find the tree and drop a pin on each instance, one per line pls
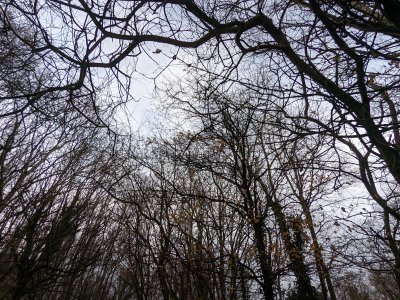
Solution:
(241, 140)
(51, 205)
(340, 53)
(334, 64)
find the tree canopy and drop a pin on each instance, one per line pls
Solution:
(291, 106)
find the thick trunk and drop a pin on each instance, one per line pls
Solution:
(393, 247)
(298, 266)
(265, 261)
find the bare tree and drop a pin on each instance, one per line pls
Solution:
(333, 64)
(342, 75)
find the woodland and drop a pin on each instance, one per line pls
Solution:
(270, 169)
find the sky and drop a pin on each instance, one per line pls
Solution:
(153, 71)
